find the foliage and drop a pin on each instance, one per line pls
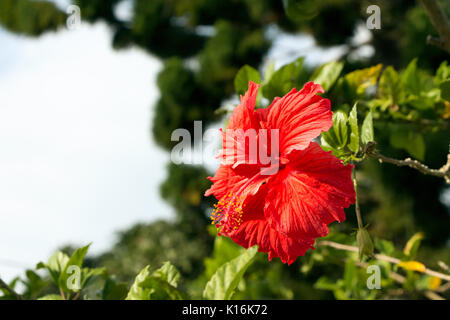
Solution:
(397, 98)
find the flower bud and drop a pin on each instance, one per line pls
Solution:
(365, 243)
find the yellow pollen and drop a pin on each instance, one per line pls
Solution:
(227, 213)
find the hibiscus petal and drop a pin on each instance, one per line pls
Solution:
(274, 243)
(243, 116)
(301, 116)
(228, 180)
(310, 193)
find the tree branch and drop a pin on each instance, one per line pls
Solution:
(10, 290)
(440, 23)
(378, 256)
(443, 172)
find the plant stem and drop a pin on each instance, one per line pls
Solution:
(61, 292)
(357, 210)
(10, 290)
(378, 256)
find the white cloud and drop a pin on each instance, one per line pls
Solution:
(77, 161)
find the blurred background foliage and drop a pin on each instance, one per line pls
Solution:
(203, 44)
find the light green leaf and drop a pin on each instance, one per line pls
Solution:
(270, 69)
(354, 131)
(224, 250)
(168, 273)
(327, 74)
(138, 291)
(223, 283)
(51, 297)
(442, 73)
(337, 136)
(244, 75)
(390, 87)
(75, 260)
(325, 283)
(367, 134)
(161, 285)
(350, 276)
(410, 79)
(359, 80)
(413, 244)
(55, 265)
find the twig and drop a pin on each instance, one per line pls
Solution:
(10, 290)
(440, 23)
(432, 295)
(378, 256)
(443, 172)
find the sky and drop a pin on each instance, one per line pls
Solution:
(77, 160)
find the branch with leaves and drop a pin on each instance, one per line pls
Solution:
(10, 290)
(439, 20)
(382, 257)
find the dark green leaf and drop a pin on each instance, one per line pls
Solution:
(283, 80)
(445, 90)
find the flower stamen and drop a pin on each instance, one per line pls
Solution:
(227, 214)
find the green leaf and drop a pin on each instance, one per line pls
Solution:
(51, 297)
(384, 246)
(442, 73)
(350, 276)
(445, 90)
(161, 285)
(301, 10)
(410, 79)
(137, 290)
(270, 70)
(402, 137)
(325, 283)
(337, 136)
(359, 80)
(283, 80)
(354, 131)
(168, 273)
(390, 87)
(114, 290)
(244, 75)
(223, 283)
(327, 74)
(367, 134)
(88, 275)
(224, 250)
(55, 265)
(365, 244)
(413, 244)
(76, 260)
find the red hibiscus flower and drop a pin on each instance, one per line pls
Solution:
(283, 211)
